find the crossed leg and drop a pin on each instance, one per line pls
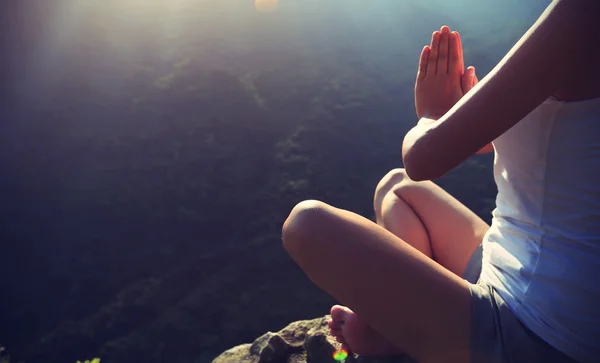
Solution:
(401, 275)
(407, 302)
(429, 219)
(416, 304)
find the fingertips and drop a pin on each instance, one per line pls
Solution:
(470, 71)
(473, 75)
(459, 42)
(469, 80)
(423, 62)
(435, 40)
(454, 61)
(461, 63)
(434, 53)
(442, 66)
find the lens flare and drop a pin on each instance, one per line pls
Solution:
(266, 6)
(340, 355)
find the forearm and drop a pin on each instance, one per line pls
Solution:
(533, 69)
(411, 146)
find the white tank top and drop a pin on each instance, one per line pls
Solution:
(542, 252)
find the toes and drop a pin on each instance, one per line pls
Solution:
(334, 325)
(339, 313)
(423, 61)
(340, 339)
(337, 321)
(433, 53)
(336, 333)
(334, 330)
(442, 65)
(455, 62)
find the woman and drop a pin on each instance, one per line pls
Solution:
(411, 282)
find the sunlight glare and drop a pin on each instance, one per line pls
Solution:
(266, 6)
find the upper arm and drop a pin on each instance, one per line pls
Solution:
(531, 72)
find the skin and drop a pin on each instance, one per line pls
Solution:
(425, 216)
(450, 73)
(552, 58)
(421, 214)
(402, 275)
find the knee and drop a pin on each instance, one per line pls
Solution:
(305, 220)
(396, 181)
(393, 177)
(393, 180)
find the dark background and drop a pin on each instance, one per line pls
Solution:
(150, 151)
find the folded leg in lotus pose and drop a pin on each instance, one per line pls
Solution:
(403, 279)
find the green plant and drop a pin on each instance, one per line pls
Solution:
(95, 360)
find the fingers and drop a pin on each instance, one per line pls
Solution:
(473, 77)
(444, 56)
(433, 53)
(462, 57)
(442, 64)
(469, 80)
(472, 70)
(423, 62)
(465, 82)
(455, 61)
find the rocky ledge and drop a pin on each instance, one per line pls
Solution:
(306, 341)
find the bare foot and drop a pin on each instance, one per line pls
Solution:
(356, 336)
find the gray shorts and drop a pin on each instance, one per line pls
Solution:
(497, 336)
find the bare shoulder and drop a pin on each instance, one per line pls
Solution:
(578, 19)
(556, 53)
(582, 20)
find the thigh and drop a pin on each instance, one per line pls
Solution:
(454, 231)
(416, 303)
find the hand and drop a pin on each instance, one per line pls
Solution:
(441, 80)
(468, 80)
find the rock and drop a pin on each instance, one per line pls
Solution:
(306, 341)
(241, 353)
(271, 348)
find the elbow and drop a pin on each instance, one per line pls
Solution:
(418, 168)
(412, 169)
(416, 172)
(422, 160)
